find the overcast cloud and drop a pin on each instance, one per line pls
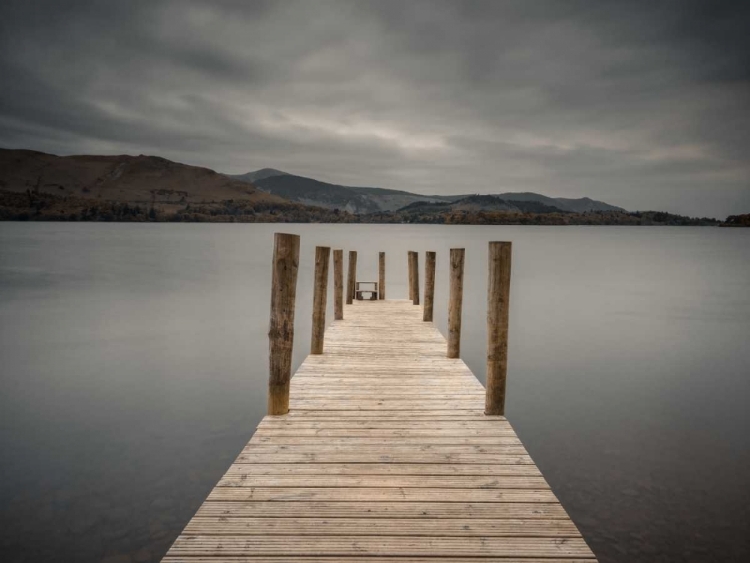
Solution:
(641, 104)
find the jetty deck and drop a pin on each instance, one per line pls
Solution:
(385, 455)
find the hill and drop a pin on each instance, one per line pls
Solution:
(310, 191)
(122, 178)
(370, 200)
(314, 192)
(476, 203)
(578, 205)
(261, 174)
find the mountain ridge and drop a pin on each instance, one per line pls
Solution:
(360, 200)
(39, 186)
(261, 174)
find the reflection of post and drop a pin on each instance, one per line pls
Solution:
(455, 302)
(338, 284)
(281, 330)
(381, 275)
(415, 278)
(320, 298)
(350, 282)
(498, 305)
(429, 286)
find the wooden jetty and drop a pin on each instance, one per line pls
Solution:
(384, 452)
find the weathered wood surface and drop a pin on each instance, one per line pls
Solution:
(320, 298)
(429, 286)
(498, 304)
(410, 265)
(414, 278)
(352, 276)
(385, 455)
(281, 326)
(381, 275)
(338, 284)
(455, 301)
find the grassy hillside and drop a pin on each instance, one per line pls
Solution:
(134, 179)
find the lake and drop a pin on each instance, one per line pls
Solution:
(134, 366)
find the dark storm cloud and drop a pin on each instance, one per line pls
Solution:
(642, 104)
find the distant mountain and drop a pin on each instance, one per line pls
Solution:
(371, 200)
(566, 204)
(36, 186)
(474, 203)
(261, 174)
(123, 178)
(313, 192)
(391, 200)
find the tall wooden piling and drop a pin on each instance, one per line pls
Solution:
(320, 298)
(455, 301)
(352, 278)
(429, 286)
(281, 330)
(415, 278)
(338, 284)
(498, 305)
(381, 275)
(410, 265)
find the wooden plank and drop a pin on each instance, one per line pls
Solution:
(360, 395)
(387, 440)
(384, 457)
(336, 559)
(244, 479)
(346, 509)
(455, 527)
(394, 449)
(406, 434)
(414, 382)
(385, 422)
(363, 428)
(379, 469)
(378, 405)
(385, 414)
(352, 546)
(380, 494)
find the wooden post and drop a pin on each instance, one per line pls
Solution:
(498, 305)
(338, 284)
(350, 282)
(281, 330)
(455, 302)
(429, 286)
(320, 298)
(415, 278)
(410, 264)
(381, 275)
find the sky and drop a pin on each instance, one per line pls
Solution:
(645, 105)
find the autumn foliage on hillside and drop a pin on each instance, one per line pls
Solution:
(738, 221)
(32, 206)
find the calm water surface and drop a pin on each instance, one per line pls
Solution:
(133, 365)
